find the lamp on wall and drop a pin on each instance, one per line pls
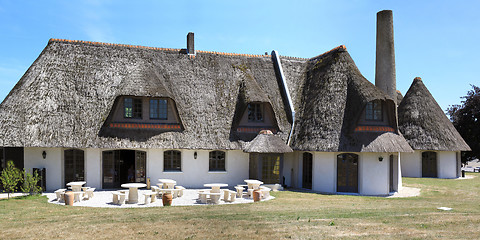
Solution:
(44, 154)
(195, 155)
(380, 158)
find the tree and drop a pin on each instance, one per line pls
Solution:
(10, 177)
(30, 183)
(466, 119)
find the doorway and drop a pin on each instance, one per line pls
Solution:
(391, 188)
(429, 164)
(347, 173)
(123, 166)
(307, 170)
(266, 167)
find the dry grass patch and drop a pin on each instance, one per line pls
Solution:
(292, 215)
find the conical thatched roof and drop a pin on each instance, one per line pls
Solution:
(333, 96)
(267, 143)
(424, 124)
(66, 95)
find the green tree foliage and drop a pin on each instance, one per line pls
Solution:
(10, 177)
(466, 119)
(30, 183)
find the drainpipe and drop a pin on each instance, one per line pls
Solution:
(278, 64)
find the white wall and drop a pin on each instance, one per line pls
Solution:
(93, 167)
(195, 171)
(373, 175)
(324, 172)
(290, 169)
(446, 164)
(53, 164)
(412, 164)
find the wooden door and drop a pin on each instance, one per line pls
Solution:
(429, 164)
(307, 170)
(347, 172)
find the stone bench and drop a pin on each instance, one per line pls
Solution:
(89, 193)
(150, 197)
(60, 196)
(206, 195)
(180, 190)
(229, 196)
(239, 189)
(118, 198)
(265, 192)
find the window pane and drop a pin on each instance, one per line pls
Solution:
(128, 107)
(251, 112)
(154, 108)
(137, 108)
(217, 161)
(259, 114)
(172, 160)
(162, 109)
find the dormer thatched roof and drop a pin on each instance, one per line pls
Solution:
(267, 143)
(66, 95)
(333, 95)
(424, 124)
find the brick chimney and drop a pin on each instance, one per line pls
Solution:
(385, 78)
(190, 44)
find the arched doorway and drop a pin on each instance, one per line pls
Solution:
(123, 166)
(429, 164)
(347, 172)
(307, 170)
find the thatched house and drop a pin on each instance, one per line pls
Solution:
(90, 111)
(430, 133)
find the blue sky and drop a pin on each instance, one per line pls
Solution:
(435, 40)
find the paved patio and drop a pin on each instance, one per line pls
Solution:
(104, 199)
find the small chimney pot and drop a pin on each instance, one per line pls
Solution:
(190, 44)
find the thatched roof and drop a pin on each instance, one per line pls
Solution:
(332, 95)
(66, 95)
(424, 124)
(267, 143)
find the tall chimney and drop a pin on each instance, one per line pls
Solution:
(190, 43)
(385, 78)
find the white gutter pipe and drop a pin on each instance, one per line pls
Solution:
(277, 62)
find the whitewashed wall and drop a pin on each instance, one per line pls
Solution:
(373, 174)
(324, 172)
(446, 164)
(290, 169)
(412, 164)
(193, 175)
(195, 171)
(53, 164)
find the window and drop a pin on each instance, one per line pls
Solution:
(172, 161)
(255, 112)
(132, 108)
(74, 165)
(373, 111)
(158, 109)
(216, 161)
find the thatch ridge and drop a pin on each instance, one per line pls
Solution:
(65, 97)
(424, 124)
(334, 93)
(267, 143)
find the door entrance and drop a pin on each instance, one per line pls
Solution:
(429, 164)
(123, 166)
(266, 167)
(307, 170)
(347, 173)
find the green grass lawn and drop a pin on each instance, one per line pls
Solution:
(291, 215)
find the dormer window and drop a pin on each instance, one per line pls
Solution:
(158, 109)
(132, 108)
(373, 111)
(255, 112)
